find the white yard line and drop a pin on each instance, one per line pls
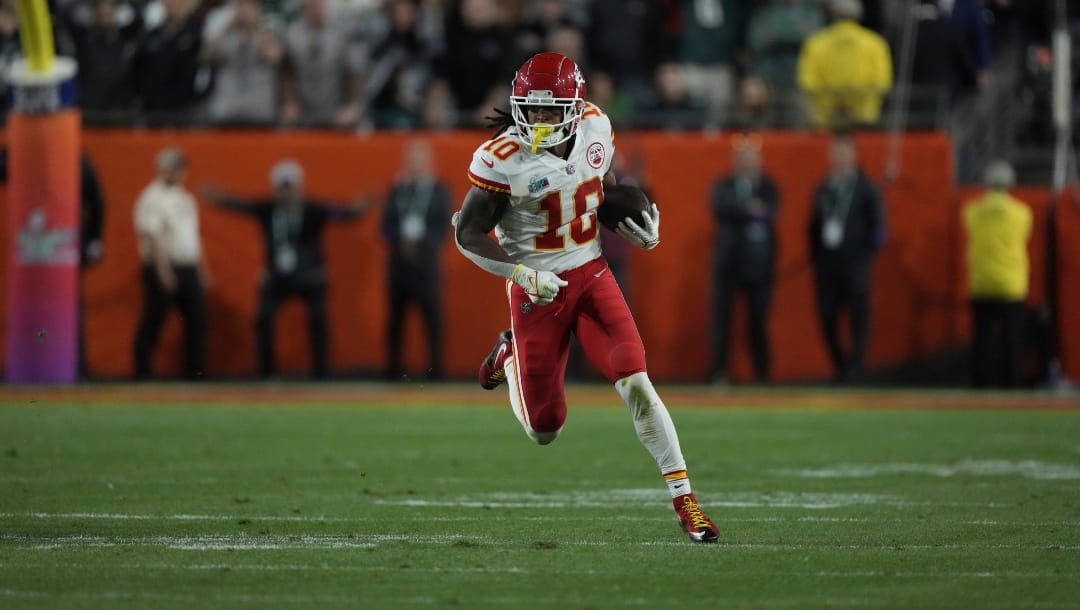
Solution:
(228, 542)
(554, 518)
(276, 542)
(1030, 469)
(824, 501)
(648, 498)
(181, 517)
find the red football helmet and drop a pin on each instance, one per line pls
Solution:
(548, 79)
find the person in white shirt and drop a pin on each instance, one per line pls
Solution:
(167, 227)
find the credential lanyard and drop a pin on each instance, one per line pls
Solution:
(285, 226)
(836, 213)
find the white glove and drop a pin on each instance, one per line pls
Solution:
(541, 286)
(646, 236)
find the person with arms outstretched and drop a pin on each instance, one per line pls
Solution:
(538, 185)
(293, 226)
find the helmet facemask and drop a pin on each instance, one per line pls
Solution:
(546, 135)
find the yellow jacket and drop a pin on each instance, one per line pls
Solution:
(846, 70)
(998, 228)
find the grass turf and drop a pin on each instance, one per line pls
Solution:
(446, 506)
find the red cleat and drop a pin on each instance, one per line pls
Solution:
(698, 526)
(492, 373)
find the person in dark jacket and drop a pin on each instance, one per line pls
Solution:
(166, 66)
(292, 226)
(414, 226)
(847, 228)
(744, 204)
(105, 48)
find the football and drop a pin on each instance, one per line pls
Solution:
(622, 201)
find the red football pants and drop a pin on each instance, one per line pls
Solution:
(591, 306)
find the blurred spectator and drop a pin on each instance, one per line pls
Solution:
(846, 70)
(758, 109)
(568, 41)
(355, 8)
(105, 47)
(401, 65)
(322, 78)
(674, 108)
(776, 34)
(246, 55)
(10, 46)
(173, 273)
(712, 38)
(969, 17)
(847, 227)
(602, 92)
(998, 229)
(414, 226)
(942, 67)
(476, 68)
(166, 64)
(875, 15)
(744, 204)
(1023, 21)
(628, 39)
(540, 21)
(1022, 32)
(292, 225)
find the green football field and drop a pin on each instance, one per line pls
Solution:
(434, 498)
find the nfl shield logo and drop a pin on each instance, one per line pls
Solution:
(526, 307)
(570, 169)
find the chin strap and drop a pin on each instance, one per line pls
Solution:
(541, 131)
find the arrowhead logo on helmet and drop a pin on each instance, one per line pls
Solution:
(554, 82)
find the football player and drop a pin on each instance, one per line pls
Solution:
(538, 184)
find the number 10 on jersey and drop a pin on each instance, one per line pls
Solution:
(582, 227)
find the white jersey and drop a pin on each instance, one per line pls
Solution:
(550, 223)
(170, 213)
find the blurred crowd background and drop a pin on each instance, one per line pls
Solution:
(978, 68)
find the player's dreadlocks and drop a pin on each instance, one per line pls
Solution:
(501, 121)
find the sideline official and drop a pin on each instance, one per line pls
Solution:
(998, 229)
(167, 226)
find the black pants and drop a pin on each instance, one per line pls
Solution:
(998, 343)
(273, 292)
(409, 285)
(189, 299)
(844, 285)
(727, 284)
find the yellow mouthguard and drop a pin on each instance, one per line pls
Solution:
(541, 131)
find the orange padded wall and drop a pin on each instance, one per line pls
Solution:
(918, 299)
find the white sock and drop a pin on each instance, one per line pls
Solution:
(678, 483)
(653, 424)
